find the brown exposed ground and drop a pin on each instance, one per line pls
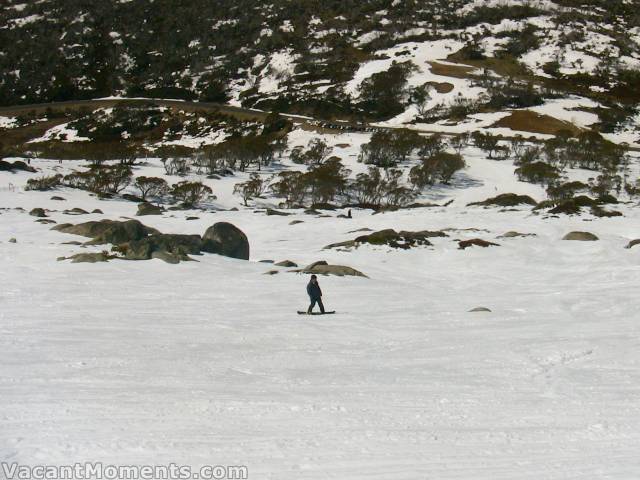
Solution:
(528, 121)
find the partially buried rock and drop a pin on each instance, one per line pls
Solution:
(226, 239)
(13, 240)
(286, 264)
(633, 243)
(97, 210)
(475, 242)
(581, 236)
(295, 222)
(323, 268)
(57, 198)
(45, 221)
(38, 212)
(89, 257)
(479, 309)
(148, 209)
(271, 211)
(178, 245)
(513, 234)
(76, 211)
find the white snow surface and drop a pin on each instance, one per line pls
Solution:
(207, 362)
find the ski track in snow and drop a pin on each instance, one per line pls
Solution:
(208, 362)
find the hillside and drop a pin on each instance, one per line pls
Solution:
(463, 177)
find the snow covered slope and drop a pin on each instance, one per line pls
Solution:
(207, 362)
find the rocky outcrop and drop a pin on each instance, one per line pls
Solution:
(286, 264)
(17, 165)
(88, 257)
(323, 268)
(226, 239)
(402, 240)
(148, 209)
(581, 236)
(475, 242)
(505, 200)
(38, 212)
(135, 241)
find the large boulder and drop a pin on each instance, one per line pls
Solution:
(226, 239)
(581, 236)
(148, 209)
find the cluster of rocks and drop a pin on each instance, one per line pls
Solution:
(134, 241)
(402, 240)
(16, 165)
(505, 200)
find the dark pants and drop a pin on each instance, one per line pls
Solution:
(313, 304)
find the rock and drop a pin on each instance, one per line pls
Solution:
(505, 200)
(131, 198)
(226, 239)
(71, 243)
(20, 165)
(265, 261)
(76, 211)
(323, 268)
(13, 240)
(46, 221)
(271, 272)
(361, 230)
(311, 211)
(167, 257)
(108, 231)
(193, 218)
(390, 237)
(480, 309)
(633, 243)
(59, 199)
(148, 209)
(475, 242)
(295, 222)
(271, 211)
(581, 236)
(38, 212)
(89, 257)
(571, 206)
(286, 263)
(97, 210)
(598, 211)
(513, 234)
(144, 248)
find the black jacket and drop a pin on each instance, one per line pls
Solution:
(313, 289)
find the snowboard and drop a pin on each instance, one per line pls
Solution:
(316, 313)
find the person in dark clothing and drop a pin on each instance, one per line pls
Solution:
(315, 294)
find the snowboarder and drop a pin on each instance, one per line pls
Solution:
(315, 294)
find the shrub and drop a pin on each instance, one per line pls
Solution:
(327, 181)
(151, 186)
(44, 183)
(537, 172)
(252, 188)
(292, 187)
(439, 167)
(190, 193)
